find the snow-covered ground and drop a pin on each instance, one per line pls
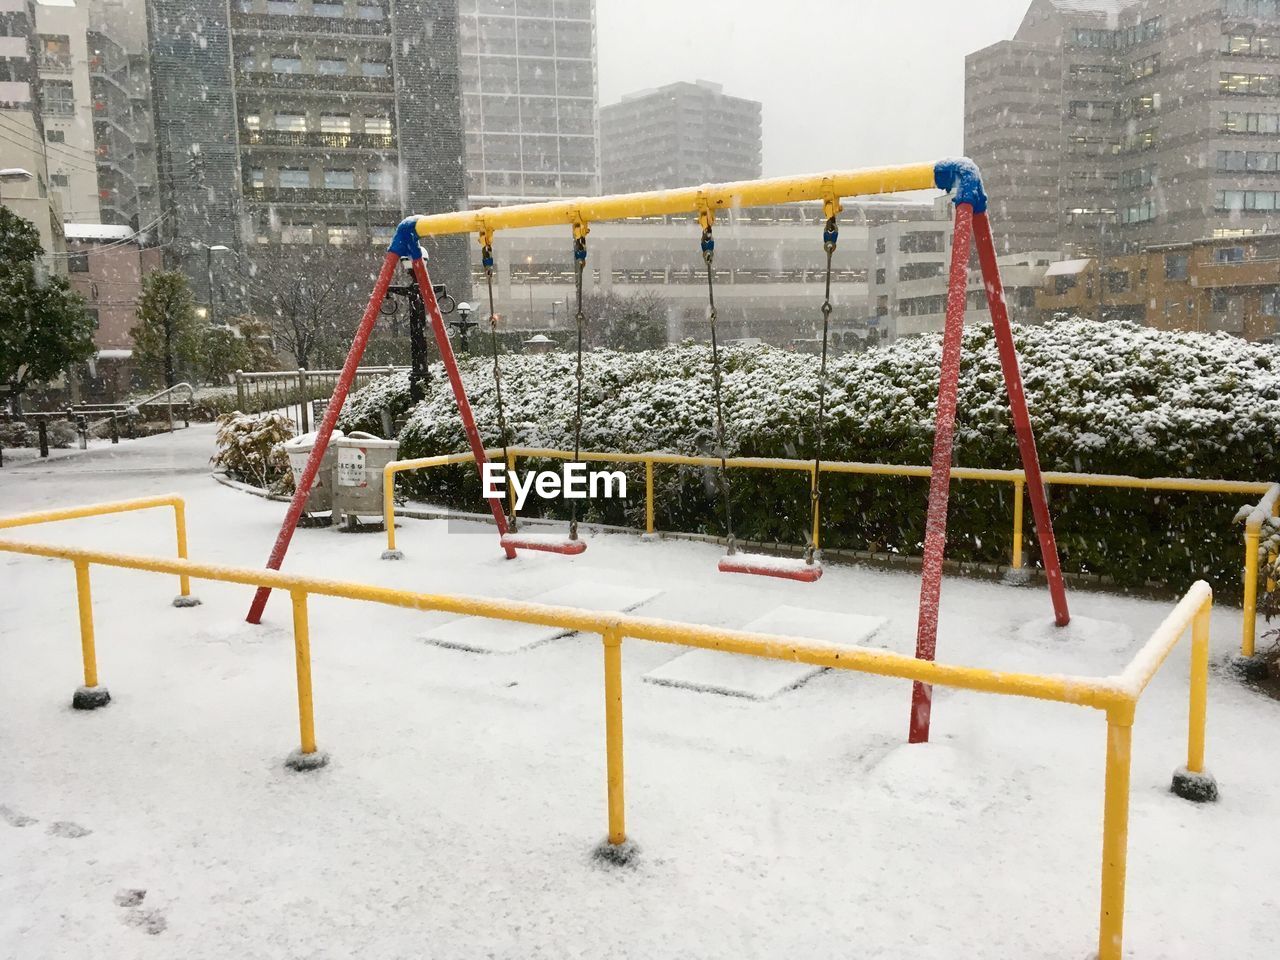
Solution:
(466, 790)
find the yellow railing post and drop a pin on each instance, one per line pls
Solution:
(648, 497)
(1017, 523)
(1199, 689)
(613, 734)
(90, 696)
(1271, 554)
(817, 507)
(307, 757)
(1251, 536)
(184, 597)
(389, 512)
(1115, 833)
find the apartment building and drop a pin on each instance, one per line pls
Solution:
(1104, 126)
(677, 135)
(529, 99)
(62, 65)
(1229, 284)
(908, 259)
(296, 122)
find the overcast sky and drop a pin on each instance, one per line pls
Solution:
(844, 83)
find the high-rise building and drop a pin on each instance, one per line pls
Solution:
(1107, 125)
(123, 125)
(304, 122)
(529, 91)
(25, 186)
(677, 135)
(62, 64)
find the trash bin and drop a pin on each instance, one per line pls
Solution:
(357, 476)
(320, 500)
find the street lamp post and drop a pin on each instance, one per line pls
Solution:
(209, 251)
(528, 279)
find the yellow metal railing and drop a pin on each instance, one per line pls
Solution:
(1116, 695)
(118, 506)
(1269, 507)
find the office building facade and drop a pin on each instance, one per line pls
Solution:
(529, 97)
(1107, 125)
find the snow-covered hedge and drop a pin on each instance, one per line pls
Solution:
(1105, 398)
(250, 449)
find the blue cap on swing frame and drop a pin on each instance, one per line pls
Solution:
(405, 242)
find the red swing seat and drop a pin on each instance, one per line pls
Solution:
(785, 568)
(544, 543)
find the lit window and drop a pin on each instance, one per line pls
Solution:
(295, 122)
(374, 68)
(370, 11)
(331, 67)
(257, 176)
(326, 10)
(252, 121)
(284, 8)
(292, 234)
(286, 64)
(339, 235)
(335, 123)
(378, 125)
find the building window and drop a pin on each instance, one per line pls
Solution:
(57, 98)
(1094, 111)
(370, 11)
(257, 177)
(374, 68)
(331, 67)
(1093, 39)
(1146, 67)
(1138, 212)
(1143, 32)
(56, 136)
(880, 277)
(378, 125)
(326, 10)
(880, 245)
(1240, 44)
(252, 121)
(1141, 140)
(1229, 255)
(295, 178)
(920, 271)
(1246, 200)
(1136, 179)
(1249, 84)
(294, 122)
(1118, 281)
(1252, 8)
(77, 263)
(284, 8)
(1175, 266)
(335, 123)
(931, 242)
(1233, 122)
(286, 64)
(1271, 302)
(380, 179)
(295, 234)
(340, 179)
(343, 234)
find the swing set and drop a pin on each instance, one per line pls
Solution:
(959, 177)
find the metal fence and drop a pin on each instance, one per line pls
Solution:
(298, 393)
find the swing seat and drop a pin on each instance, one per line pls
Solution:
(785, 568)
(544, 542)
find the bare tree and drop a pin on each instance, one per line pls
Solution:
(312, 302)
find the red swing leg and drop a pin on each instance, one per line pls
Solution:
(1021, 418)
(935, 532)
(325, 430)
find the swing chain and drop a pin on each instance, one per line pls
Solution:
(830, 236)
(486, 258)
(579, 264)
(708, 256)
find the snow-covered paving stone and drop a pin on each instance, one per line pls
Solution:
(466, 793)
(479, 635)
(715, 671)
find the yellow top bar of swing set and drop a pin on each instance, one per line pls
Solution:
(827, 187)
